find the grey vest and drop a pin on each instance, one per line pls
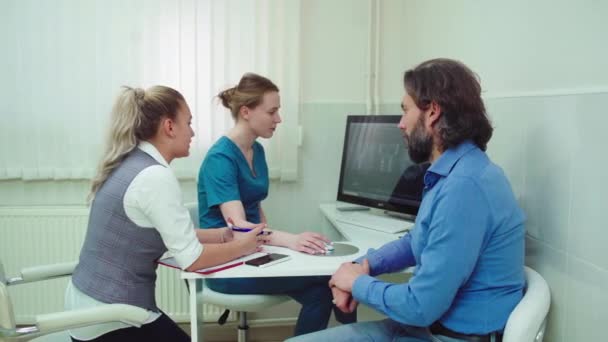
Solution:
(118, 258)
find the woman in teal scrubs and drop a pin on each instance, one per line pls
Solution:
(233, 182)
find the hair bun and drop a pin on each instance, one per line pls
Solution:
(226, 97)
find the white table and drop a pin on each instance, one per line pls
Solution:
(300, 264)
(374, 238)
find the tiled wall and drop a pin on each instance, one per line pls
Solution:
(552, 151)
(551, 147)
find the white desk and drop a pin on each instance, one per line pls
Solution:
(354, 233)
(300, 264)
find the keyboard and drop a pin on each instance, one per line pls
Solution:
(375, 221)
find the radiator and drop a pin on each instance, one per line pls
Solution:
(31, 236)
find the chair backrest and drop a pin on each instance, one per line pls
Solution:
(7, 316)
(527, 321)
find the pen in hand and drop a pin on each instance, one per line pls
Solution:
(242, 229)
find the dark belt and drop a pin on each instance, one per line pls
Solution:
(438, 329)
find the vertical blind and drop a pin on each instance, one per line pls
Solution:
(64, 61)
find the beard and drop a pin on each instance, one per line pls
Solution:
(419, 143)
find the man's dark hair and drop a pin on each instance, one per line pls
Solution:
(456, 89)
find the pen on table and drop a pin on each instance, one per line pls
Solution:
(243, 230)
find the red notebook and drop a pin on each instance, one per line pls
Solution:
(170, 262)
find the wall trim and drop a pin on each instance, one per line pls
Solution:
(487, 95)
(32, 175)
(545, 93)
(20, 211)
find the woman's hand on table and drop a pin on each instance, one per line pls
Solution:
(309, 242)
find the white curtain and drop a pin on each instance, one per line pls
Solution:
(64, 61)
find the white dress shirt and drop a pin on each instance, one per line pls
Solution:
(153, 200)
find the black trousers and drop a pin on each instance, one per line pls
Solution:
(162, 329)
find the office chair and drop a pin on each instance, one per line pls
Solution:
(241, 304)
(527, 321)
(51, 323)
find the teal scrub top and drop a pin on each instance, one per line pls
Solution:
(225, 176)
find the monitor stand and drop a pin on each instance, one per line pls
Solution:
(401, 216)
(341, 206)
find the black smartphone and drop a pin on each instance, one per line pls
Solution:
(268, 260)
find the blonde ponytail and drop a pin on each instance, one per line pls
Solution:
(126, 117)
(136, 115)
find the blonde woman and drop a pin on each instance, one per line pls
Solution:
(233, 181)
(137, 214)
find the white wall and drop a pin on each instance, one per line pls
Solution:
(515, 46)
(334, 51)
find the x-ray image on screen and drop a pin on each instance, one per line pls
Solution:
(376, 168)
(375, 158)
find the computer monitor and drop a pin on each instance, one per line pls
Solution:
(376, 170)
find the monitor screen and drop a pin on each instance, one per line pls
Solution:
(376, 170)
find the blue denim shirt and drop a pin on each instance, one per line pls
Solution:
(467, 247)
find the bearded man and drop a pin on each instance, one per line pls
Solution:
(467, 245)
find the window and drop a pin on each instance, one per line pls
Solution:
(66, 60)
